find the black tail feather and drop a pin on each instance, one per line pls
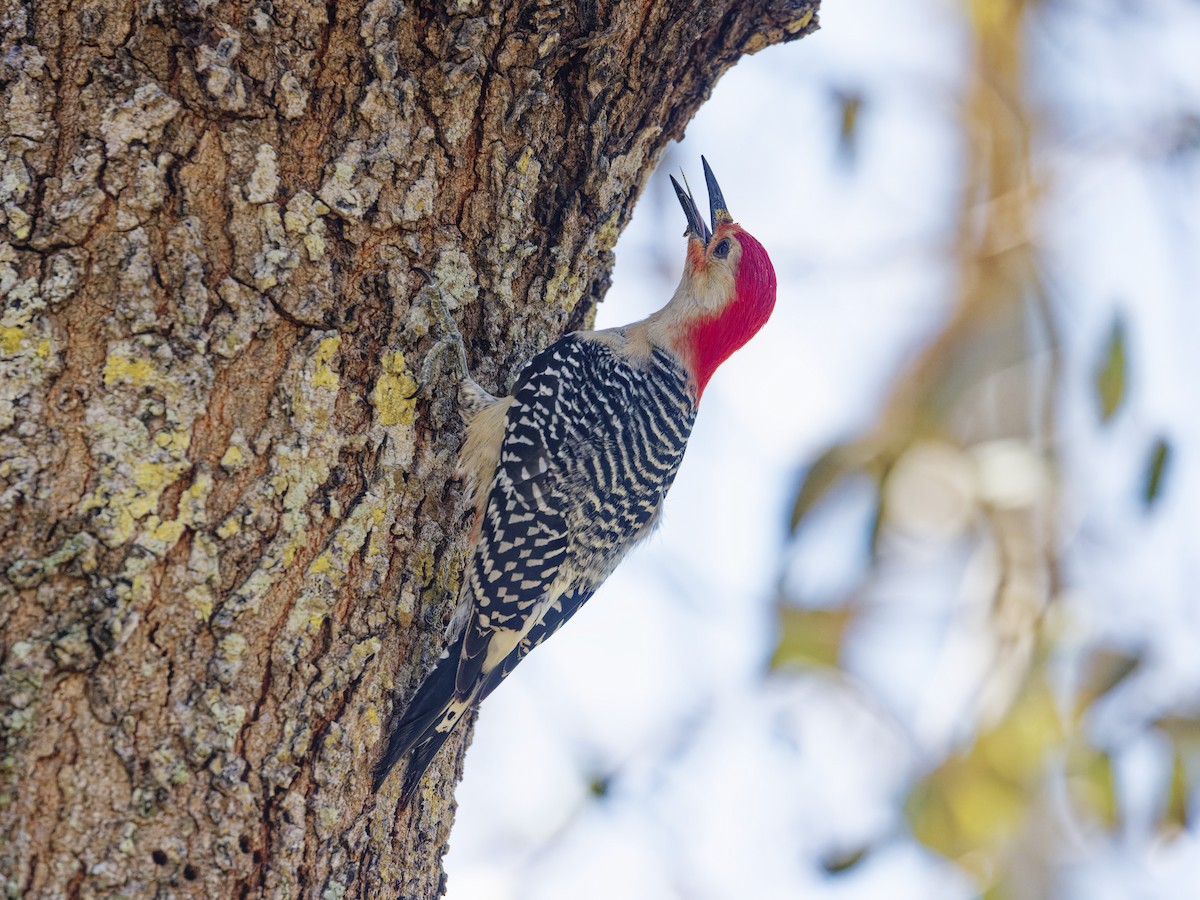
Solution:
(422, 755)
(418, 727)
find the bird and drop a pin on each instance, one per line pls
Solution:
(569, 471)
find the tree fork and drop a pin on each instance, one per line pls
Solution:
(229, 532)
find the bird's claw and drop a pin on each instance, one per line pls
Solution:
(451, 337)
(433, 366)
(471, 395)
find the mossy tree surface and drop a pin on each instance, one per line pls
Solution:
(229, 533)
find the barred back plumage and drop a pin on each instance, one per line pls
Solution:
(592, 442)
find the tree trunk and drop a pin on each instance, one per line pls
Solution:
(229, 533)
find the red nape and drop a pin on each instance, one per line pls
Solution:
(715, 339)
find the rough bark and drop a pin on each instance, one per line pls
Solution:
(229, 532)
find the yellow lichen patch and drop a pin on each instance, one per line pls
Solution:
(523, 161)
(174, 440)
(800, 24)
(608, 232)
(323, 376)
(233, 458)
(231, 526)
(10, 340)
(192, 505)
(314, 246)
(152, 478)
(562, 282)
(328, 817)
(165, 533)
(346, 542)
(308, 613)
(119, 368)
(227, 716)
(395, 392)
(349, 666)
(123, 509)
(233, 646)
(201, 600)
(327, 348)
(379, 540)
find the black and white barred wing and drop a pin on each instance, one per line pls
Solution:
(590, 447)
(591, 444)
(524, 535)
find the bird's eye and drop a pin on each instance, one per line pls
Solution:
(722, 249)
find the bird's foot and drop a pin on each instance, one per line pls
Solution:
(471, 395)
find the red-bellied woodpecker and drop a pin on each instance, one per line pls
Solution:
(570, 472)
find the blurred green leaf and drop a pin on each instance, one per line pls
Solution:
(824, 474)
(841, 861)
(878, 516)
(1111, 373)
(1105, 668)
(972, 806)
(1175, 817)
(1160, 455)
(1017, 745)
(967, 811)
(850, 105)
(810, 637)
(1090, 783)
(1183, 730)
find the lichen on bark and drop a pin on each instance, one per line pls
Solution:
(230, 537)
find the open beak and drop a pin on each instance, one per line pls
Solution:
(695, 225)
(716, 200)
(719, 213)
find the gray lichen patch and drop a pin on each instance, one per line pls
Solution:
(138, 182)
(300, 464)
(27, 88)
(291, 96)
(275, 258)
(184, 272)
(140, 119)
(264, 180)
(518, 180)
(29, 360)
(326, 574)
(221, 80)
(349, 188)
(73, 203)
(457, 278)
(64, 271)
(303, 219)
(16, 187)
(77, 553)
(140, 422)
(234, 329)
(421, 196)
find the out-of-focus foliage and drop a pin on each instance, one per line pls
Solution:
(973, 806)
(965, 462)
(1160, 455)
(811, 637)
(1110, 376)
